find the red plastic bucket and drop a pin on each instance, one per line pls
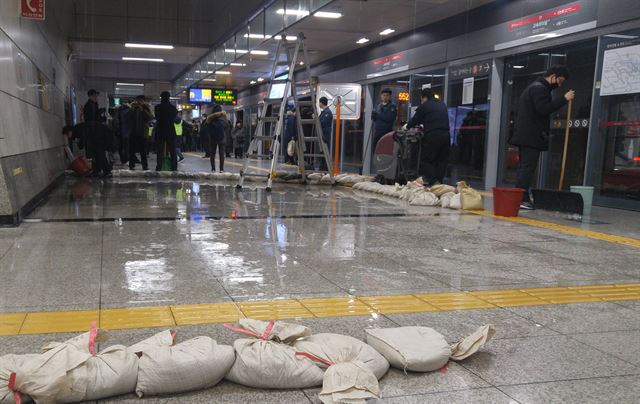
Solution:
(506, 201)
(80, 166)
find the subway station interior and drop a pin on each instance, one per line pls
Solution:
(320, 201)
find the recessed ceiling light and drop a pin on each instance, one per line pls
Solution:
(252, 82)
(362, 40)
(387, 31)
(260, 79)
(327, 14)
(142, 59)
(130, 84)
(222, 72)
(301, 63)
(300, 13)
(147, 46)
(204, 71)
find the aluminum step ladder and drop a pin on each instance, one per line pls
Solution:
(289, 55)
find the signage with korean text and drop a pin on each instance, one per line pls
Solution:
(33, 9)
(225, 96)
(551, 23)
(387, 65)
(470, 70)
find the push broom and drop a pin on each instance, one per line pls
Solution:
(560, 201)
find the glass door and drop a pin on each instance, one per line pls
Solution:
(522, 70)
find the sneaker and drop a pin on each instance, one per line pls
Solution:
(526, 206)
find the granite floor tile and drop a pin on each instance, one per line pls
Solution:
(543, 359)
(582, 318)
(623, 390)
(489, 395)
(622, 344)
(353, 326)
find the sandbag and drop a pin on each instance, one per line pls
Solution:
(70, 372)
(349, 382)
(425, 199)
(455, 202)
(330, 347)
(11, 364)
(441, 189)
(445, 200)
(195, 364)
(162, 339)
(470, 199)
(423, 349)
(268, 361)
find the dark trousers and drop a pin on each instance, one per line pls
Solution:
(100, 162)
(526, 169)
(220, 145)
(137, 144)
(434, 156)
(163, 146)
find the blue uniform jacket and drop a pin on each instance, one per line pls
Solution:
(385, 116)
(326, 123)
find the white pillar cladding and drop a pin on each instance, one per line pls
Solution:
(492, 154)
(34, 83)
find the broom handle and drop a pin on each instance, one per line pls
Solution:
(566, 144)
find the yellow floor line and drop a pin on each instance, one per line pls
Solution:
(215, 313)
(574, 231)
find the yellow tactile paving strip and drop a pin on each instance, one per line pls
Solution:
(215, 313)
(611, 238)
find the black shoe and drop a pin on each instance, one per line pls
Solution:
(527, 206)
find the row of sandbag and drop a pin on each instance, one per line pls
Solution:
(272, 355)
(313, 178)
(460, 197)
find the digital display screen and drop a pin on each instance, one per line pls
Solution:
(225, 96)
(200, 95)
(277, 90)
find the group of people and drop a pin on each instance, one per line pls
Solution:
(219, 136)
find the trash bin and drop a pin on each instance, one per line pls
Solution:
(80, 166)
(506, 201)
(587, 197)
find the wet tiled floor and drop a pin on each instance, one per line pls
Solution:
(136, 242)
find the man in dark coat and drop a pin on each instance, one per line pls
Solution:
(433, 115)
(91, 111)
(290, 133)
(166, 132)
(137, 119)
(384, 116)
(531, 132)
(326, 123)
(215, 124)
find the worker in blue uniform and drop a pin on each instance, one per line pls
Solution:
(384, 115)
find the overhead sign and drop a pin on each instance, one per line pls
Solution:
(470, 70)
(551, 23)
(387, 65)
(33, 9)
(200, 95)
(225, 96)
(350, 96)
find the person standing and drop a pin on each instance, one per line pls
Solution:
(238, 140)
(290, 134)
(326, 123)
(179, 138)
(228, 140)
(204, 137)
(166, 115)
(532, 125)
(137, 118)
(91, 110)
(384, 116)
(433, 115)
(216, 131)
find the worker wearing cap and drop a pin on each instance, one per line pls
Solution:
(384, 115)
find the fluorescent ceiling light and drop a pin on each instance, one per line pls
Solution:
(387, 31)
(300, 13)
(147, 46)
(142, 59)
(362, 40)
(621, 36)
(204, 71)
(230, 64)
(259, 52)
(209, 80)
(518, 67)
(222, 72)
(130, 84)
(260, 79)
(243, 51)
(555, 55)
(327, 14)
(278, 37)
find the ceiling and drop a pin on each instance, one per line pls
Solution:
(193, 27)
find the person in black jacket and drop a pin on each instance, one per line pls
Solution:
(216, 124)
(137, 120)
(434, 117)
(531, 132)
(166, 132)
